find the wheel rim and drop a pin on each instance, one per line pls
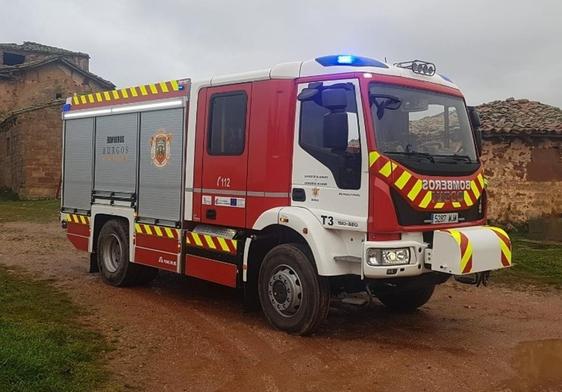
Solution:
(111, 252)
(285, 291)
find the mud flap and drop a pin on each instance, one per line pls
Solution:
(469, 250)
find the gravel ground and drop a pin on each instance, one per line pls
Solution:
(181, 334)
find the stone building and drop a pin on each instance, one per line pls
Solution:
(35, 79)
(522, 154)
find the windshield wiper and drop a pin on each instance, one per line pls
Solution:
(456, 157)
(412, 154)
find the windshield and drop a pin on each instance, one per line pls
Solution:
(421, 124)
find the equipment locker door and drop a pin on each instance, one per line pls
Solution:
(225, 155)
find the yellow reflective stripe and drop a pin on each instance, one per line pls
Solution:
(480, 179)
(99, 97)
(134, 92)
(439, 205)
(209, 241)
(467, 255)
(387, 168)
(169, 232)
(425, 201)
(197, 239)
(223, 244)
(76, 220)
(68, 218)
(83, 99)
(83, 219)
(107, 96)
(456, 204)
(153, 88)
(456, 235)
(115, 94)
(234, 243)
(474, 189)
(373, 156)
(91, 98)
(124, 93)
(147, 229)
(158, 231)
(415, 190)
(187, 239)
(403, 179)
(138, 228)
(143, 90)
(175, 85)
(467, 199)
(505, 250)
(75, 100)
(164, 87)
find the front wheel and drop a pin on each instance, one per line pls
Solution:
(294, 298)
(406, 300)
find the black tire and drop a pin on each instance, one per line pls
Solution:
(113, 257)
(406, 300)
(293, 297)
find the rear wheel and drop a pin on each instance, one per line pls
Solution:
(294, 298)
(113, 257)
(406, 300)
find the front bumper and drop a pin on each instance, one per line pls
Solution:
(458, 251)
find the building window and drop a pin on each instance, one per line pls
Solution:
(341, 153)
(12, 58)
(545, 164)
(227, 123)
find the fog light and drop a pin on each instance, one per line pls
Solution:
(379, 257)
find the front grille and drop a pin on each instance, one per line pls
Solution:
(408, 216)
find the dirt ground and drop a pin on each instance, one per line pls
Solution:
(181, 334)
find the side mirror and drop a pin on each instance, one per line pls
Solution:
(339, 127)
(474, 119)
(334, 99)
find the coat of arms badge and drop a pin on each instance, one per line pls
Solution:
(160, 144)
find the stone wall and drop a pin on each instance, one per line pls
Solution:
(524, 178)
(30, 142)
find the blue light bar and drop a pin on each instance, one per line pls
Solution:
(345, 59)
(66, 107)
(349, 61)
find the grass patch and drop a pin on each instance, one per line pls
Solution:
(43, 347)
(534, 263)
(40, 211)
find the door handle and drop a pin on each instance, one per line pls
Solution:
(211, 213)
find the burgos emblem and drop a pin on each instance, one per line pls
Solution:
(160, 144)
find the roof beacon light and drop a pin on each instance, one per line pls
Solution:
(419, 67)
(345, 59)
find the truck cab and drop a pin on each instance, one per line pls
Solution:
(296, 184)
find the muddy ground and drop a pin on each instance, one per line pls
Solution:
(182, 334)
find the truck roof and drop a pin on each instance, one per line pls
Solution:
(326, 65)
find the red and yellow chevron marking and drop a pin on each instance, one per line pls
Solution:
(465, 247)
(157, 231)
(117, 96)
(409, 185)
(80, 219)
(505, 245)
(209, 242)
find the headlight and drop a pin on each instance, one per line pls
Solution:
(380, 257)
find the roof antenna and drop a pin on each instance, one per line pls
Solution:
(385, 60)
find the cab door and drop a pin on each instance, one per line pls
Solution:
(225, 155)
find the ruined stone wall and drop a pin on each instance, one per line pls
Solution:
(30, 144)
(524, 178)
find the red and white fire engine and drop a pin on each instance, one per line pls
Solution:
(296, 183)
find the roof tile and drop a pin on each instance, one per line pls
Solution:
(520, 117)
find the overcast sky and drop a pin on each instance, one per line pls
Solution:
(491, 49)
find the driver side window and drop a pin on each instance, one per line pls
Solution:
(323, 134)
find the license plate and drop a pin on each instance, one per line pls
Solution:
(445, 217)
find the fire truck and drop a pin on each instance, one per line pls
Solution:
(297, 184)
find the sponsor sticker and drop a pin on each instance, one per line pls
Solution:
(207, 200)
(236, 202)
